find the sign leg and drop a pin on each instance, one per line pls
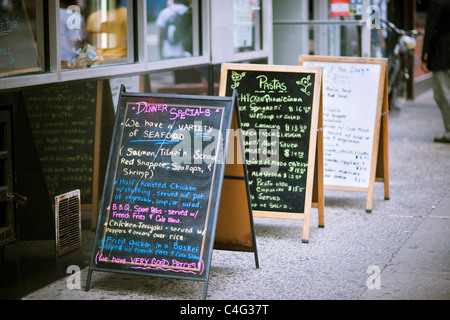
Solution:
(369, 202)
(305, 233)
(256, 259)
(205, 289)
(88, 281)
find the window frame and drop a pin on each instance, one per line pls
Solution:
(223, 51)
(49, 46)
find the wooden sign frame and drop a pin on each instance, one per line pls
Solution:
(97, 149)
(314, 192)
(379, 167)
(100, 262)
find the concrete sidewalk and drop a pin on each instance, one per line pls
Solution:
(420, 269)
(405, 238)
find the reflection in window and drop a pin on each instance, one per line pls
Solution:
(170, 29)
(343, 40)
(18, 49)
(379, 36)
(247, 25)
(181, 81)
(193, 80)
(93, 32)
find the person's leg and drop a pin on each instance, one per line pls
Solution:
(441, 90)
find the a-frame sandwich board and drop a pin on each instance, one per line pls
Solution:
(160, 204)
(287, 180)
(356, 132)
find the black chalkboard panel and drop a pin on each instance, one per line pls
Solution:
(279, 110)
(163, 185)
(63, 121)
(18, 53)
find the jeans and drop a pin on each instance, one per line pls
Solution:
(441, 90)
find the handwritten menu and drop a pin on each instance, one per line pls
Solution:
(276, 112)
(350, 93)
(18, 52)
(160, 201)
(62, 119)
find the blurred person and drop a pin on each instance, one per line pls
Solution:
(436, 56)
(175, 30)
(72, 32)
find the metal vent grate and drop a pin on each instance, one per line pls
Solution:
(68, 222)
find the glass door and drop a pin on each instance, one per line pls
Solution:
(321, 27)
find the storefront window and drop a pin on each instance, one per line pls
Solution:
(247, 25)
(93, 33)
(171, 26)
(18, 38)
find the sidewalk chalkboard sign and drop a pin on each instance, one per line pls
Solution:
(279, 108)
(354, 100)
(65, 121)
(163, 184)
